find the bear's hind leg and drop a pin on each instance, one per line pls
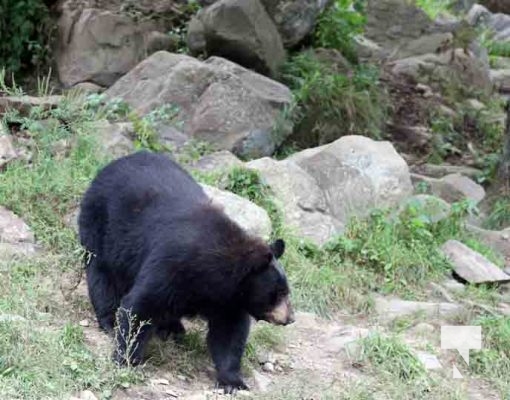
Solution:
(169, 326)
(102, 293)
(226, 340)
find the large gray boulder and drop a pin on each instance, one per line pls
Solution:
(304, 205)
(98, 42)
(442, 69)
(403, 29)
(248, 215)
(219, 102)
(239, 30)
(294, 18)
(321, 189)
(498, 23)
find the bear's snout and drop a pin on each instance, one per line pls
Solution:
(282, 313)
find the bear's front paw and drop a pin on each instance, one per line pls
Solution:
(231, 382)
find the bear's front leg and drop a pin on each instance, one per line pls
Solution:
(226, 340)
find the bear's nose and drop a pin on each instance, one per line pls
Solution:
(291, 318)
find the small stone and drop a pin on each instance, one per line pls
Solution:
(429, 361)
(426, 90)
(262, 381)
(243, 393)
(422, 328)
(16, 238)
(11, 318)
(345, 336)
(181, 377)
(278, 368)
(264, 356)
(87, 395)
(475, 104)
(268, 367)
(7, 151)
(160, 381)
(84, 322)
(453, 285)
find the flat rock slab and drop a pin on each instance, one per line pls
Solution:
(472, 266)
(24, 104)
(391, 308)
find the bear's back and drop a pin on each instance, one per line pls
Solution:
(144, 177)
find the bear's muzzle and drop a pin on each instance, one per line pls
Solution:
(282, 313)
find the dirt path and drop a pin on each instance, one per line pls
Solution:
(316, 357)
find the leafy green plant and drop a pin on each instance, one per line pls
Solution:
(499, 216)
(145, 127)
(329, 104)
(26, 31)
(493, 360)
(338, 25)
(435, 8)
(392, 356)
(401, 251)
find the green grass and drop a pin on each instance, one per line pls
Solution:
(383, 253)
(43, 356)
(483, 130)
(338, 25)
(435, 8)
(390, 355)
(329, 104)
(493, 361)
(499, 216)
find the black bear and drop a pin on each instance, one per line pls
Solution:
(159, 250)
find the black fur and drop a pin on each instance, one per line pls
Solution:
(161, 250)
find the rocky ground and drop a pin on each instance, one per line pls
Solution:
(387, 188)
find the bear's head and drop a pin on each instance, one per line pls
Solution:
(266, 288)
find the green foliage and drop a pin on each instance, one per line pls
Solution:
(392, 356)
(145, 127)
(25, 32)
(435, 8)
(52, 186)
(338, 25)
(402, 250)
(111, 109)
(193, 150)
(499, 217)
(41, 357)
(248, 184)
(329, 104)
(482, 130)
(493, 360)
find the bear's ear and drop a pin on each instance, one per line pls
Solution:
(259, 258)
(278, 248)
